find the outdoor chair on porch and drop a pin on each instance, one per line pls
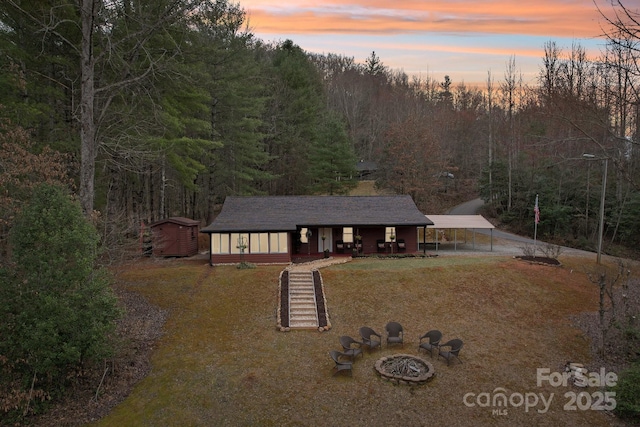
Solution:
(434, 336)
(454, 350)
(341, 365)
(370, 338)
(340, 246)
(394, 333)
(381, 245)
(401, 245)
(351, 347)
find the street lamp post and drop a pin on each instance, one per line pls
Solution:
(602, 198)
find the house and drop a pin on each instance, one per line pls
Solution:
(366, 169)
(175, 237)
(278, 229)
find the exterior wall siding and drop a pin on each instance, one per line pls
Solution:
(171, 239)
(253, 258)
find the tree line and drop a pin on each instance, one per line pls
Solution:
(165, 107)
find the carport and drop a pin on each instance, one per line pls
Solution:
(462, 222)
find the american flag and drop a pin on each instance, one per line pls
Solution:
(536, 211)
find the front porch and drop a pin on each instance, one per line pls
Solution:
(313, 242)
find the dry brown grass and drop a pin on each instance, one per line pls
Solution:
(221, 360)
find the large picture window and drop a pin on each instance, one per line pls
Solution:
(219, 243)
(259, 243)
(278, 243)
(255, 243)
(239, 241)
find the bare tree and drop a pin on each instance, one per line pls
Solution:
(607, 304)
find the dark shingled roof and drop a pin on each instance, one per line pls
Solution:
(287, 213)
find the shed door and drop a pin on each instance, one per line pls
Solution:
(327, 243)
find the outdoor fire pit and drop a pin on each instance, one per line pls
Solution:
(404, 369)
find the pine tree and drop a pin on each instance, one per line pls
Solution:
(58, 310)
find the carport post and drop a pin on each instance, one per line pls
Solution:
(455, 239)
(474, 239)
(424, 240)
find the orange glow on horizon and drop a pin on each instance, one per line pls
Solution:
(541, 18)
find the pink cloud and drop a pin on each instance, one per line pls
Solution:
(577, 18)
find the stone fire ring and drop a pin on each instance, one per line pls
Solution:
(424, 373)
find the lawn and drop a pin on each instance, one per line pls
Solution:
(221, 361)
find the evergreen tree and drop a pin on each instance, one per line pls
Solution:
(294, 109)
(58, 310)
(236, 85)
(374, 66)
(332, 158)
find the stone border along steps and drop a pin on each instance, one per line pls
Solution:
(302, 304)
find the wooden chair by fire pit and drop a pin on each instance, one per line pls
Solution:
(341, 365)
(395, 333)
(434, 337)
(454, 350)
(370, 338)
(351, 347)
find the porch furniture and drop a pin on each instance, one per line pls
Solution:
(394, 333)
(454, 350)
(351, 347)
(380, 244)
(340, 246)
(434, 336)
(401, 244)
(366, 334)
(341, 365)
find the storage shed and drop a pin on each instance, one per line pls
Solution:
(175, 236)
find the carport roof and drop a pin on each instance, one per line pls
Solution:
(442, 222)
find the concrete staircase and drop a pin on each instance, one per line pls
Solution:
(303, 312)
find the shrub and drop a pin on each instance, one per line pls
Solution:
(57, 309)
(628, 393)
(528, 250)
(551, 251)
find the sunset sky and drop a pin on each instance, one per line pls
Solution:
(460, 38)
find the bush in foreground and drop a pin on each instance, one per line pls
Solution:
(58, 310)
(628, 393)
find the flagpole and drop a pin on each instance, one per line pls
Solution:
(536, 213)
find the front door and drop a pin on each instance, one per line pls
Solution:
(327, 242)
